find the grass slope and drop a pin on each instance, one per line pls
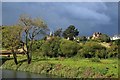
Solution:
(68, 68)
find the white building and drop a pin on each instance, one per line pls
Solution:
(115, 37)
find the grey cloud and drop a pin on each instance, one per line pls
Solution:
(0, 13)
(90, 16)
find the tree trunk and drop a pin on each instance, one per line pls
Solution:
(28, 57)
(28, 49)
(29, 54)
(15, 57)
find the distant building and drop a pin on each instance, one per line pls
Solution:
(49, 36)
(115, 37)
(88, 37)
(73, 38)
(96, 35)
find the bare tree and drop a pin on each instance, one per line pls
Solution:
(31, 29)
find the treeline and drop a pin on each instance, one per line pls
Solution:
(60, 47)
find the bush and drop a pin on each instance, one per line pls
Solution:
(83, 38)
(101, 54)
(103, 38)
(37, 45)
(68, 48)
(113, 51)
(45, 48)
(51, 48)
(89, 49)
(116, 42)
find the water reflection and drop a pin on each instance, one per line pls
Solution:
(19, 74)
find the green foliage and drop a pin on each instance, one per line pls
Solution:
(113, 51)
(104, 38)
(101, 54)
(37, 45)
(116, 42)
(32, 27)
(45, 48)
(11, 37)
(68, 48)
(67, 68)
(95, 60)
(51, 48)
(83, 38)
(70, 32)
(58, 32)
(89, 49)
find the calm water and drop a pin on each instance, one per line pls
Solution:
(19, 74)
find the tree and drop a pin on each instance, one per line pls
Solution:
(58, 32)
(31, 29)
(116, 42)
(89, 49)
(11, 39)
(104, 38)
(69, 48)
(51, 48)
(70, 32)
(83, 38)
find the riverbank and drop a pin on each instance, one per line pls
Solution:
(68, 68)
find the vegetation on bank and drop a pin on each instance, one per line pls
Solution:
(62, 53)
(67, 67)
(60, 47)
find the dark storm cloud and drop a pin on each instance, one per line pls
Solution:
(0, 13)
(87, 17)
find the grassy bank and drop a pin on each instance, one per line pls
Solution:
(70, 67)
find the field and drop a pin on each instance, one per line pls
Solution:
(66, 67)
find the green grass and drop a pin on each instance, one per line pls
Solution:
(69, 67)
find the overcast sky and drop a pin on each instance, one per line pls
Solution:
(88, 17)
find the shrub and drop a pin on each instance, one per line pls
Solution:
(116, 42)
(68, 48)
(101, 54)
(89, 49)
(37, 45)
(103, 38)
(51, 48)
(83, 38)
(45, 48)
(113, 51)
(95, 60)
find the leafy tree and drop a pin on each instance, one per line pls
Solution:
(116, 42)
(51, 48)
(68, 48)
(70, 32)
(11, 39)
(58, 32)
(31, 29)
(45, 49)
(37, 45)
(104, 38)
